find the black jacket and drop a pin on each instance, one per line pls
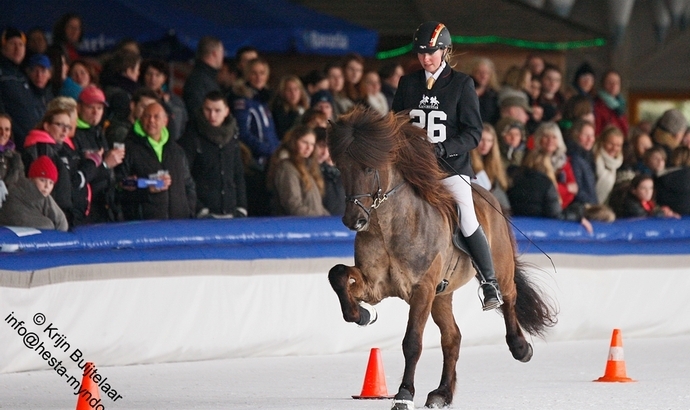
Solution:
(200, 82)
(449, 112)
(673, 190)
(585, 173)
(177, 202)
(334, 195)
(18, 100)
(533, 194)
(216, 165)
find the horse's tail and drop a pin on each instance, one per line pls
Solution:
(535, 311)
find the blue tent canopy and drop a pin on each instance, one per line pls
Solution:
(272, 26)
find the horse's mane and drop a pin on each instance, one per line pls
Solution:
(374, 141)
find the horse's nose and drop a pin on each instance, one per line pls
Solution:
(360, 224)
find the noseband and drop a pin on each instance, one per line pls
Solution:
(378, 198)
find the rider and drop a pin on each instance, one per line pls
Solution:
(444, 103)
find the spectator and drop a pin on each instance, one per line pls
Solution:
(634, 151)
(336, 84)
(390, 74)
(578, 107)
(228, 75)
(75, 171)
(549, 146)
(639, 202)
(580, 145)
(483, 73)
(257, 79)
(242, 58)
(535, 64)
(654, 161)
(59, 70)
(202, 79)
(669, 130)
(213, 150)
(6, 140)
(289, 104)
(254, 119)
(8, 154)
(370, 90)
(89, 139)
(155, 77)
(334, 191)
(314, 81)
(584, 80)
(294, 177)
(609, 105)
(608, 158)
(15, 94)
(151, 154)
(119, 89)
(67, 34)
(29, 202)
(314, 118)
(551, 99)
(353, 68)
(517, 108)
(79, 76)
(488, 167)
(36, 42)
(118, 130)
(323, 101)
(673, 188)
(39, 73)
(511, 141)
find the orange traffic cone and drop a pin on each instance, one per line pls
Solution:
(89, 398)
(615, 365)
(374, 380)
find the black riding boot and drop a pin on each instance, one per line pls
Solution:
(481, 254)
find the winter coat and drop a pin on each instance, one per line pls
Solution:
(200, 82)
(289, 196)
(673, 190)
(283, 119)
(603, 116)
(215, 163)
(334, 191)
(141, 160)
(17, 99)
(631, 207)
(584, 170)
(534, 194)
(255, 122)
(26, 206)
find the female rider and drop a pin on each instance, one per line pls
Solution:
(444, 103)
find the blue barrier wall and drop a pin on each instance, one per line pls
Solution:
(292, 237)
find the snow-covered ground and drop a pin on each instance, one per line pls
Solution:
(558, 377)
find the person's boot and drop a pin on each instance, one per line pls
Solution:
(481, 254)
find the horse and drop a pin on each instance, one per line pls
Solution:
(404, 220)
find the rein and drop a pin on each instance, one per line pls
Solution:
(378, 198)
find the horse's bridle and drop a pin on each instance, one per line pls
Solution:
(378, 198)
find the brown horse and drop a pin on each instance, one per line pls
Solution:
(405, 218)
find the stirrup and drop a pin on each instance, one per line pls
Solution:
(493, 305)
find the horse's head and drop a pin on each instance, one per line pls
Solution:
(363, 146)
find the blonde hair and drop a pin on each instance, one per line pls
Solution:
(308, 168)
(478, 61)
(491, 163)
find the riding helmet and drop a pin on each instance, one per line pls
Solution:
(431, 36)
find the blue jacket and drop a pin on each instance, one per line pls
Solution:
(18, 100)
(255, 122)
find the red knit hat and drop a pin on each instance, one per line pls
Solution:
(43, 167)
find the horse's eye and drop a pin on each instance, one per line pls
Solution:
(369, 170)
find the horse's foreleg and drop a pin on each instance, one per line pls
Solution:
(420, 302)
(348, 284)
(442, 313)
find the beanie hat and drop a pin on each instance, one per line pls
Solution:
(584, 68)
(11, 32)
(321, 96)
(41, 60)
(673, 121)
(43, 167)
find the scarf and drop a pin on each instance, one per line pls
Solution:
(617, 104)
(220, 135)
(9, 146)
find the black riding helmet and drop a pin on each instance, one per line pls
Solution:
(431, 36)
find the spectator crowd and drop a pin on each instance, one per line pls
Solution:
(85, 141)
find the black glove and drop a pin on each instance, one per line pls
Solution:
(440, 151)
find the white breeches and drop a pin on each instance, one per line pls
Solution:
(459, 186)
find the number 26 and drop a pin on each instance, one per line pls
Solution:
(435, 130)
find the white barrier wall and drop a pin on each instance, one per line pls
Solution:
(147, 312)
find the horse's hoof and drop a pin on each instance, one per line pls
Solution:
(367, 314)
(403, 400)
(437, 400)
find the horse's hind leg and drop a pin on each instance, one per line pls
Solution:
(518, 345)
(442, 313)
